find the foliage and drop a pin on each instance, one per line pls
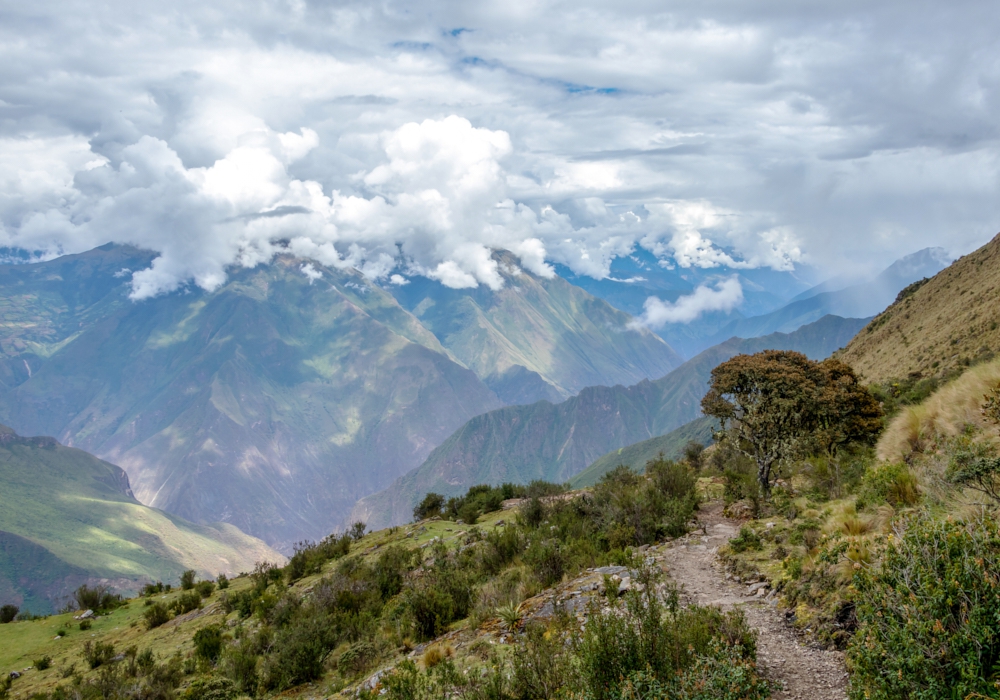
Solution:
(889, 483)
(927, 612)
(187, 580)
(482, 499)
(642, 634)
(96, 598)
(222, 582)
(309, 557)
(85, 625)
(776, 404)
(156, 615)
(431, 505)
(43, 663)
(357, 530)
(208, 643)
(204, 588)
(8, 613)
(746, 540)
(98, 653)
(976, 466)
(991, 405)
(186, 602)
(211, 688)
(693, 454)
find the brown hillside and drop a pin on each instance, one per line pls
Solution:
(944, 325)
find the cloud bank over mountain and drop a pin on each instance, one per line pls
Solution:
(415, 138)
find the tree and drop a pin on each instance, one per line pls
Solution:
(774, 404)
(430, 506)
(187, 580)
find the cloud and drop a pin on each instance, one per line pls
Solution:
(724, 134)
(656, 313)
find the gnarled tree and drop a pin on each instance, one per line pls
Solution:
(774, 404)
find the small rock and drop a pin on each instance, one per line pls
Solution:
(755, 588)
(84, 615)
(14, 675)
(769, 526)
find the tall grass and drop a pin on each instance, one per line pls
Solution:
(945, 414)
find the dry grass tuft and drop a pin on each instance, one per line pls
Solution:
(945, 414)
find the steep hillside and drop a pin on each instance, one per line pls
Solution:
(555, 442)
(68, 518)
(536, 338)
(273, 403)
(856, 301)
(937, 328)
(636, 456)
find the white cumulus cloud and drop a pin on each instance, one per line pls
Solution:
(725, 296)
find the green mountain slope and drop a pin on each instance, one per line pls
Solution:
(273, 403)
(537, 338)
(556, 442)
(68, 518)
(636, 456)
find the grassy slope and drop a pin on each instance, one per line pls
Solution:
(273, 403)
(22, 642)
(951, 320)
(76, 509)
(556, 442)
(636, 456)
(550, 327)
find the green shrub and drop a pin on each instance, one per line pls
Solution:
(642, 635)
(357, 658)
(43, 663)
(8, 613)
(239, 664)
(208, 643)
(86, 625)
(927, 613)
(432, 609)
(889, 483)
(746, 540)
(97, 598)
(430, 506)
(222, 582)
(298, 652)
(98, 653)
(186, 602)
(976, 466)
(211, 688)
(187, 580)
(151, 589)
(309, 557)
(204, 588)
(156, 615)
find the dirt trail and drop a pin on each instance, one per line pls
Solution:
(803, 673)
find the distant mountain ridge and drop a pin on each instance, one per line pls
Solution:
(857, 301)
(938, 327)
(68, 518)
(555, 442)
(536, 338)
(277, 401)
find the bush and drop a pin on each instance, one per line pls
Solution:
(889, 483)
(85, 625)
(43, 663)
(211, 688)
(644, 635)
(187, 580)
(98, 598)
(927, 614)
(357, 531)
(151, 589)
(223, 582)
(8, 613)
(98, 653)
(204, 588)
(429, 507)
(309, 557)
(239, 664)
(976, 466)
(747, 540)
(298, 653)
(186, 602)
(208, 643)
(156, 615)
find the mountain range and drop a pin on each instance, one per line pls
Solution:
(68, 518)
(554, 442)
(278, 400)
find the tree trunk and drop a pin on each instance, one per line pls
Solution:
(764, 477)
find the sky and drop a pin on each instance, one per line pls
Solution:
(415, 137)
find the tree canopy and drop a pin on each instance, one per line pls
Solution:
(775, 404)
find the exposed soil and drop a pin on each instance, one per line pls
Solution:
(801, 671)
